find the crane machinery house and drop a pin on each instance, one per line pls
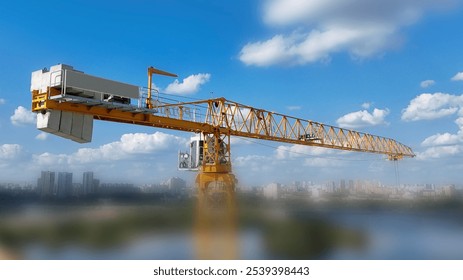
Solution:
(64, 83)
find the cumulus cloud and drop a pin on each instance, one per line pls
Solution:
(427, 83)
(189, 85)
(42, 136)
(2, 101)
(458, 77)
(321, 162)
(287, 160)
(441, 144)
(129, 145)
(294, 108)
(363, 118)
(23, 116)
(322, 27)
(9, 151)
(429, 106)
(441, 139)
(254, 163)
(439, 152)
(366, 105)
(297, 151)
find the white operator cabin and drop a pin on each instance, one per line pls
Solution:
(194, 159)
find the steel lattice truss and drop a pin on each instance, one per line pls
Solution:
(226, 117)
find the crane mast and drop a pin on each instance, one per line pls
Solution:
(67, 101)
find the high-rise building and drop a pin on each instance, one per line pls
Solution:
(342, 185)
(64, 187)
(272, 191)
(46, 184)
(175, 185)
(89, 184)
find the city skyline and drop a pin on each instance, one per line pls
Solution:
(60, 186)
(88, 179)
(392, 69)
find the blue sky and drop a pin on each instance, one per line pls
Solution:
(390, 68)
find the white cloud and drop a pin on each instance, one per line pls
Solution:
(441, 144)
(45, 160)
(236, 140)
(189, 85)
(254, 163)
(427, 83)
(366, 105)
(2, 101)
(9, 151)
(42, 136)
(458, 77)
(444, 144)
(363, 118)
(323, 27)
(294, 108)
(441, 139)
(297, 151)
(153, 155)
(23, 116)
(129, 145)
(274, 51)
(288, 158)
(321, 162)
(288, 163)
(429, 106)
(439, 152)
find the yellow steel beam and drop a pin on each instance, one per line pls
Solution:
(231, 118)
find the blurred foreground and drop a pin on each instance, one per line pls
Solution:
(289, 229)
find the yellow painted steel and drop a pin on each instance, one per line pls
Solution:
(151, 71)
(234, 119)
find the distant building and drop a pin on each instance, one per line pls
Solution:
(449, 191)
(175, 185)
(46, 184)
(117, 189)
(272, 191)
(89, 184)
(76, 189)
(342, 185)
(64, 186)
(351, 185)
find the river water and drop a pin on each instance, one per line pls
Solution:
(386, 234)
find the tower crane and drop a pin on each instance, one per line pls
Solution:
(67, 101)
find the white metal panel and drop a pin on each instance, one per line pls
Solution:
(65, 123)
(49, 122)
(40, 80)
(91, 83)
(60, 67)
(36, 80)
(74, 126)
(82, 128)
(87, 128)
(77, 126)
